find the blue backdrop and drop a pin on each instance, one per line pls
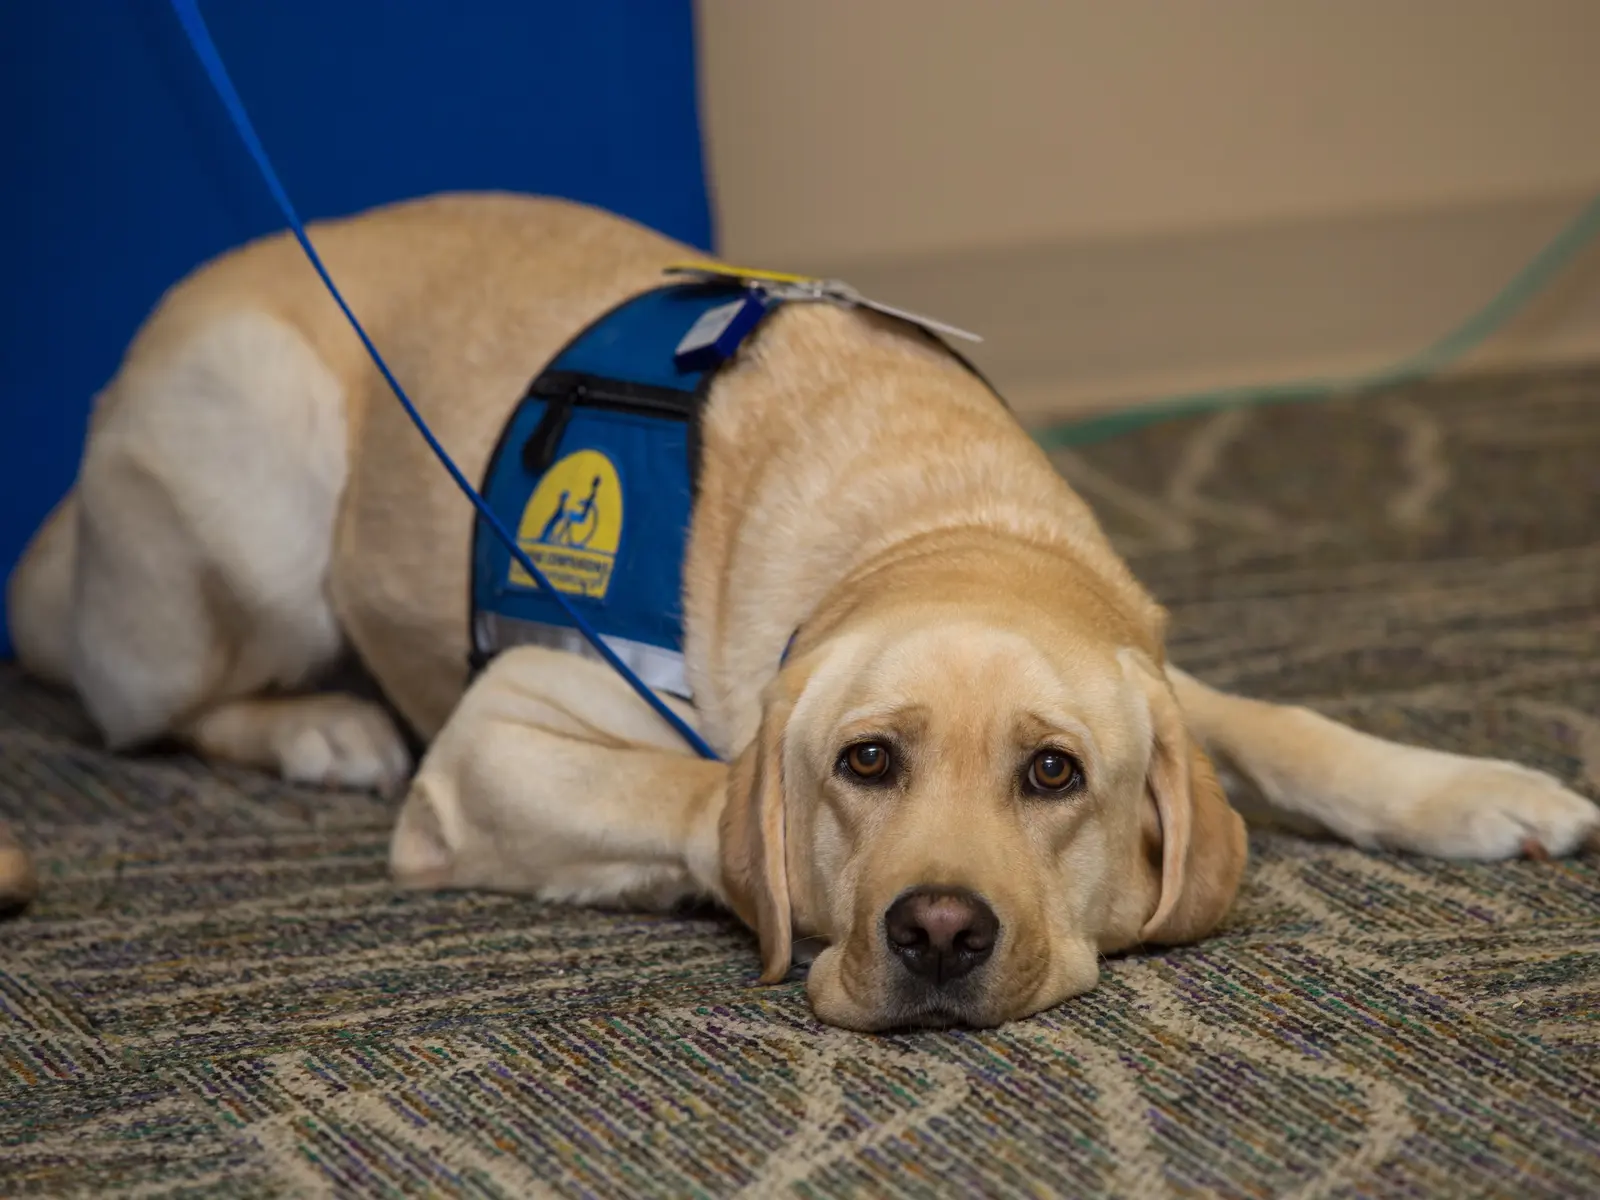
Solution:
(121, 172)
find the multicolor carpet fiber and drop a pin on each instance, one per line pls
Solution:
(219, 993)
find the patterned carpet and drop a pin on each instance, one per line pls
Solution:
(218, 992)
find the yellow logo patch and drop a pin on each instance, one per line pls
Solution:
(572, 526)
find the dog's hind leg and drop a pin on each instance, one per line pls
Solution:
(553, 778)
(207, 501)
(1377, 793)
(39, 597)
(322, 739)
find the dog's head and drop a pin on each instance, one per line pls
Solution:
(966, 805)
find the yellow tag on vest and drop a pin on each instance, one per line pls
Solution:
(572, 526)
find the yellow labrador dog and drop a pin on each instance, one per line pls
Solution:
(972, 774)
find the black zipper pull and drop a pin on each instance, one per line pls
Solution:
(539, 451)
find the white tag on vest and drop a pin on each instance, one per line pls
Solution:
(715, 336)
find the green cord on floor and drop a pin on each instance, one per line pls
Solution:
(1468, 336)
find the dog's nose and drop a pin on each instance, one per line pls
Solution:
(941, 934)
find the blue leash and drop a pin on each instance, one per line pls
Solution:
(188, 13)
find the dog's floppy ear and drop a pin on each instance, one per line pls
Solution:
(1203, 846)
(754, 868)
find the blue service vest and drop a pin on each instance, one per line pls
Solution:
(595, 474)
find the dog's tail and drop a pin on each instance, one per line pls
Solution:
(39, 597)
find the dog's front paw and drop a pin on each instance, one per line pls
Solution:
(340, 741)
(1486, 809)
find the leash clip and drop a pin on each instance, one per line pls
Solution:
(806, 289)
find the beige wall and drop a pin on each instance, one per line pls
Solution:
(895, 137)
(840, 128)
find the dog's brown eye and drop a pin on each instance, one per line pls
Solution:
(867, 760)
(1053, 771)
